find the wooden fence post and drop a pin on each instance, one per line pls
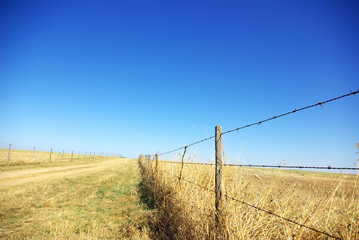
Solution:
(184, 153)
(50, 155)
(8, 156)
(218, 175)
(156, 162)
(72, 155)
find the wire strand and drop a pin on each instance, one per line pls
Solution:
(266, 120)
(272, 166)
(258, 208)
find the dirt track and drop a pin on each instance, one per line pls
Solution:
(15, 177)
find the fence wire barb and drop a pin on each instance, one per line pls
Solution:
(258, 208)
(266, 120)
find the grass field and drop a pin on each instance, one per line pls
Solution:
(22, 158)
(107, 198)
(90, 203)
(328, 202)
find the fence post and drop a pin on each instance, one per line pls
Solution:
(72, 155)
(33, 155)
(156, 162)
(50, 155)
(218, 176)
(8, 156)
(184, 153)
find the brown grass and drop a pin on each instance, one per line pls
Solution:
(26, 157)
(324, 201)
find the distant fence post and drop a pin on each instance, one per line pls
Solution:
(72, 155)
(156, 162)
(50, 155)
(8, 156)
(218, 175)
(33, 155)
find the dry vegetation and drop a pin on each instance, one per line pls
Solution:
(103, 204)
(29, 157)
(324, 201)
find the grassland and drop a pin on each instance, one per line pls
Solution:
(324, 201)
(96, 204)
(20, 159)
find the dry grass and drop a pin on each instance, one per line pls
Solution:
(327, 202)
(27, 157)
(104, 204)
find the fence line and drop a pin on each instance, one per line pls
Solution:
(266, 120)
(253, 206)
(45, 155)
(218, 166)
(298, 167)
(270, 166)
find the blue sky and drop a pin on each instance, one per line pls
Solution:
(137, 77)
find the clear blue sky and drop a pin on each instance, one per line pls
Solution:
(137, 77)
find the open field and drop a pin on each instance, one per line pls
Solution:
(29, 157)
(324, 201)
(94, 200)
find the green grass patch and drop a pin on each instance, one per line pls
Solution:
(97, 205)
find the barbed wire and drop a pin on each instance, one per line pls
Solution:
(291, 112)
(270, 166)
(257, 208)
(300, 167)
(266, 120)
(203, 140)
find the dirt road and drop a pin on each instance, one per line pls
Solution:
(15, 177)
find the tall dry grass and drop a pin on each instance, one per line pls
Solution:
(326, 202)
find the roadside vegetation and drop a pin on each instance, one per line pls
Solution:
(328, 202)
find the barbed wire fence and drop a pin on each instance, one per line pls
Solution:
(218, 165)
(16, 154)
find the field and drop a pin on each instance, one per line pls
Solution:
(85, 199)
(326, 202)
(117, 198)
(27, 157)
